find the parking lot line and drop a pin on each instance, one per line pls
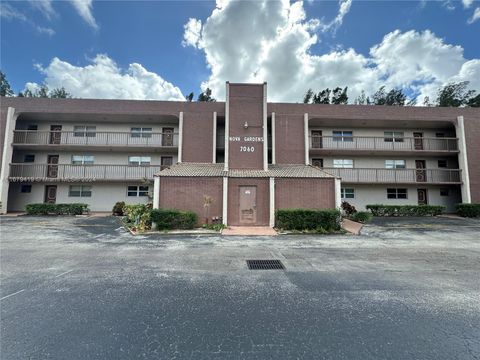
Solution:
(64, 273)
(15, 293)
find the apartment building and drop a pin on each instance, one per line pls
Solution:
(245, 157)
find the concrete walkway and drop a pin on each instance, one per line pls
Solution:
(249, 230)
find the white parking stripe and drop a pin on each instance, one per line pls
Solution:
(15, 293)
(66, 272)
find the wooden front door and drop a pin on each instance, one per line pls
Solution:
(52, 167)
(422, 196)
(50, 194)
(418, 140)
(317, 142)
(55, 134)
(420, 173)
(248, 205)
(167, 137)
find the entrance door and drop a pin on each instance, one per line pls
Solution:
(248, 205)
(418, 140)
(422, 196)
(317, 142)
(52, 167)
(55, 134)
(167, 137)
(166, 162)
(50, 194)
(420, 173)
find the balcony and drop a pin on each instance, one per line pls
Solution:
(80, 173)
(371, 145)
(94, 140)
(397, 176)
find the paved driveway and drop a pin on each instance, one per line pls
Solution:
(83, 288)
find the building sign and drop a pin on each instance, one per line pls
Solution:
(246, 139)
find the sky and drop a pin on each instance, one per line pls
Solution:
(164, 50)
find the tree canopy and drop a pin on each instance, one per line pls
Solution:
(5, 89)
(206, 96)
(327, 96)
(456, 95)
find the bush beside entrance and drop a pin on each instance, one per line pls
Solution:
(170, 219)
(468, 210)
(308, 220)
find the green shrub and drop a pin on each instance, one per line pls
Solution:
(307, 219)
(468, 210)
(138, 217)
(169, 219)
(406, 210)
(56, 209)
(118, 208)
(216, 227)
(361, 217)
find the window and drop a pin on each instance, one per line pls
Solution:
(134, 190)
(83, 159)
(442, 163)
(340, 135)
(439, 135)
(343, 163)
(393, 136)
(29, 158)
(394, 164)
(166, 161)
(143, 132)
(317, 163)
(80, 191)
(444, 192)
(139, 160)
(32, 127)
(84, 131)
(26, 188)
(397, 193)
(347, 193)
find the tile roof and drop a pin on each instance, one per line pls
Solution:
(217, 170)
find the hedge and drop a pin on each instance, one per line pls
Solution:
(406, 210)
(169, 219)
(468, 210)
(56, 209)
(361, 217)
(308, 219)
(138, 217)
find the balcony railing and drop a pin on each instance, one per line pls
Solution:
(99, 138)
(397, 176)
(383, 144)
(78, 173)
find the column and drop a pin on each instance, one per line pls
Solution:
(463, 160)
(7, 158)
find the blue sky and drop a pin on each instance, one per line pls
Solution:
(152, 34)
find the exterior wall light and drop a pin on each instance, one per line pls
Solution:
(245, 125)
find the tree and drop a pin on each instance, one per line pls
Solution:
(395, 97)
(323, 97)
(474, 101)
(380, 97)
(426, 101)
(206, 96)
(340, 96)
(362, 99)
(60, 93)
(5, 89)
(455, 95)
(189, 97)
(307, 99)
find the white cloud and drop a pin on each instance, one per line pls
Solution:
(9, 12)
(475, 16)
(192, 33)
(467, 3)
(45, 30)
(45, 7)
(103, 79)
(256, 41)
(84, 9)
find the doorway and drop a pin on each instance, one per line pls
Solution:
(418, 140)
(248, 205)
(55, 134)
(167, 136)
(420, 172)
(52, 167)
(50, 194)
(317, 142)
(422, 196)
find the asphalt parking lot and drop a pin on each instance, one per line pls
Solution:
(83, 288)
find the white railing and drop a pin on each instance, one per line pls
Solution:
(383, 143)
(68, 172)
(99, 138)
(393, 176)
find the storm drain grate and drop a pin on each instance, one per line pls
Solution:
(265, 265)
